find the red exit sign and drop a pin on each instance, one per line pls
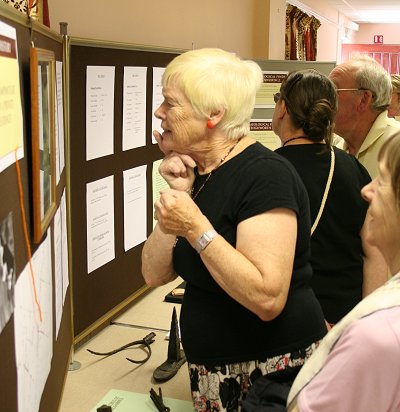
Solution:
(378, 39)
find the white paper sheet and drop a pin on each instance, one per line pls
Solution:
(135, 205)
(158, 98)
(34, 338)
(58, 275)
(100, 222)
(158, 184)
(60, 155)
(99, 111)
(134, 109)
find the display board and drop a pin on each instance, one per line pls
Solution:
(102, 293)
(44, 390)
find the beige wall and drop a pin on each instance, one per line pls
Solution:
(328, 33)
(251, 28)
(235, 25)
(277, 22)
(366, 32)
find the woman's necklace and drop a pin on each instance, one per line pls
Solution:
(215, 168)
(294, 138)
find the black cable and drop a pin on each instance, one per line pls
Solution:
(146, 341)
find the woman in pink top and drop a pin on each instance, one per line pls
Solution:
(357, 365)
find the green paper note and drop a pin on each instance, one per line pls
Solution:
(124, 401)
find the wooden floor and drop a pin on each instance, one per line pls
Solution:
(97, 375)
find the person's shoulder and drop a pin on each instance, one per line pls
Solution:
(352, 163)
(261, 152)
(343, 155)
(393, 123)
(392, 127)
(388, 125)
(261, 160)
(381, 329)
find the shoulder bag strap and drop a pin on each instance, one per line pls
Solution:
(324, 197)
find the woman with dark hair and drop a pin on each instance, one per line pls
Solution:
(345, 267)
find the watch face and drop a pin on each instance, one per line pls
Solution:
(204, 240)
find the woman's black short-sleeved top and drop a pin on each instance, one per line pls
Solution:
(216, 329)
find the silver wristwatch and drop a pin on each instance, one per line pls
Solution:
(204, 240)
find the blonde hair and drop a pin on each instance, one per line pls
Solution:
(213, 79)
(396, 87)
(395, 83)
(390, 155)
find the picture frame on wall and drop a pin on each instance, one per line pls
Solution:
(42, 77)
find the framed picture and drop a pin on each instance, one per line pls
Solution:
(42, 73)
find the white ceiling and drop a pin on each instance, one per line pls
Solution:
(369, 11)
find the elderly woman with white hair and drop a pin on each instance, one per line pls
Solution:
(235, 225)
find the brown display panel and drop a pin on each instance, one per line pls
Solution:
(44, 38)
(97, 294)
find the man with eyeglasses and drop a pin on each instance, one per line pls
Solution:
(364, 94)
